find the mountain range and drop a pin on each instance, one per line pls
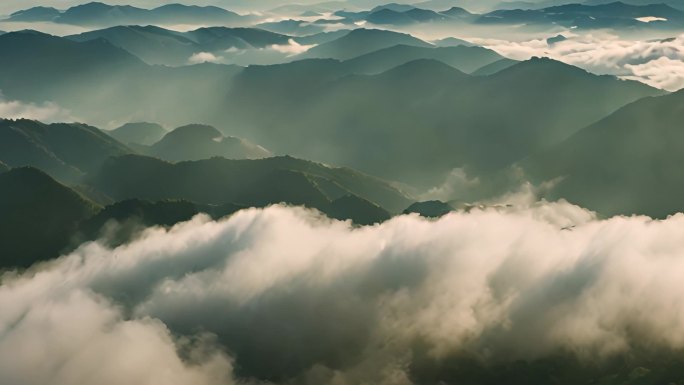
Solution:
(446, 118)
(66, 151)
(197, 142)
(83, 76)
(43, 218)
(605, 15)
(362, 41)
(625, 163)
(100, 14)
(39, 217)
(95, 72)
(138, 134)
(243, 182)
(157, 45)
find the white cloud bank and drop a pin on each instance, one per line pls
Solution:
(273, 54)
(292, 295)
(204, 57)
(45, 112)
(659, 63)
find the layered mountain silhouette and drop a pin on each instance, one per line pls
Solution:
(611, 15)
(447, 119)
(100, 14)
(196, 142)
(65, 151)
(157, 45)
(362, 41)
(243, 182)
(293, 27)
(672, 3)
(387, 16)
(39, 216)
(492, 68)
(626, 163)
(395, 14)
(63, 63)
(464, 58)
(120, 222)
(430, 209)
(36, 14)
(160, 46)
(43, 219)
(359, 210)
(140, 133)
(451, 42)
(85, 76)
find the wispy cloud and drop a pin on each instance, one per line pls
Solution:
(272, 54)
(659, 63)
(204, 57)
(292, 48)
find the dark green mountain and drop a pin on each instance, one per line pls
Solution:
(192, 14)
(221, 38)
(122, 221)
(65, 151)
(152, 44)
(243, 182)
(359, 210)
(141, 133)
(413, 124)
(36, 14)
(627, 163)
(63, 64)
(95, 13)
(430, 209)
(458, 13)
(362, 41)
(196, 142)
(39, 216)
(4, 167)
(416, 122)
(157, 45)
(466, 59)
(84, 77)
(451, 42)
(320, 38)
(395, 7)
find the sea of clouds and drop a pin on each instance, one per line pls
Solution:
(286, 295)
(657, 62)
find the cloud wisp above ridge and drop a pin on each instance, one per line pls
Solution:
(658, 63)
(245, 297)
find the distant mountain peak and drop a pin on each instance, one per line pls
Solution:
(425, 66)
